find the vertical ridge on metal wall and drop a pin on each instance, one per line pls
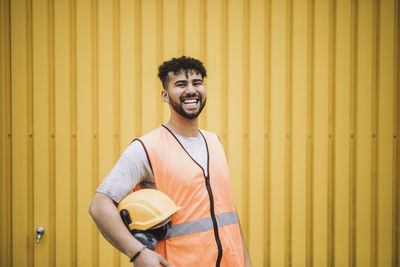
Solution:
(396, 137)
(52, 146)
(331, 132)
(18, 86)
(181, 27)
(224, 76)
(288, 130)
(203, 31)
(159, 53)
(138, 69)
(267, 130)
(245, 122)
(353, 135)
(203, 48)
(116, 77)
(73, 122)
(41, 42)
(95, 117)
(310, 136)
(116, 93)
(374, 129)
(30, 172)
(6, 137)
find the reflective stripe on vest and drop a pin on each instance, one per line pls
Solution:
(202, 225)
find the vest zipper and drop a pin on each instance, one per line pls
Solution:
(210, 194)
(214, 220)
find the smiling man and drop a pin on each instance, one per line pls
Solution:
(187, 93)
(187, 164)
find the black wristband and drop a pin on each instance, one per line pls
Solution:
(137, 254)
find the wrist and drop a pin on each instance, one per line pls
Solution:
(132, 259)
(133, 247)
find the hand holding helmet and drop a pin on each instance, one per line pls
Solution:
(146, 213)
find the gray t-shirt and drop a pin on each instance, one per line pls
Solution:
(133, 167)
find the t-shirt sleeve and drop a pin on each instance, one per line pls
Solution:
(131, 169)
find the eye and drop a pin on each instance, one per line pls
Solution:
(197, 83)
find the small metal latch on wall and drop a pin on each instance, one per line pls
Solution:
(39, 233)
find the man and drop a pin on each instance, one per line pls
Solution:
(187, 164)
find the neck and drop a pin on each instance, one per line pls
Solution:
(183, 126)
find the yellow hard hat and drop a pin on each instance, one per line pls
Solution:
(147, 208)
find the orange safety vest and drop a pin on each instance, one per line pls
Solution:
(205, 232)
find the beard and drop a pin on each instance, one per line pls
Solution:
(178, 107)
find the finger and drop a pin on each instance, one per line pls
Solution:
(164, 262)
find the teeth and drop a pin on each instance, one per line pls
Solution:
(190, 101)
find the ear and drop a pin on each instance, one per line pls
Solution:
(164, 96)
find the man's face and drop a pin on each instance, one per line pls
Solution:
(185, 93)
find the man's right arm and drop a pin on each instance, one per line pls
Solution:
(106, 216)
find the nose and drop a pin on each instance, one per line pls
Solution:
(190, 88)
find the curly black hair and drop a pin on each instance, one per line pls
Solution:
(177, 65)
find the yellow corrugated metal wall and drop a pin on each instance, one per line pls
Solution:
(304, 95)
